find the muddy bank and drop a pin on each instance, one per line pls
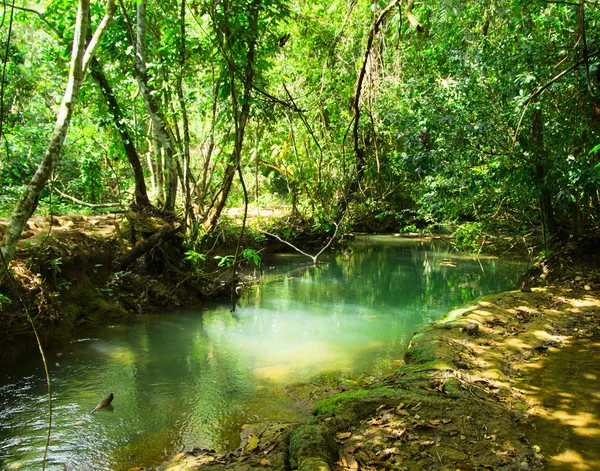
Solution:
(472, 395)
(74, 270)
(67, 274)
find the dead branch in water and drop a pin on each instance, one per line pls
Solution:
(312, 257)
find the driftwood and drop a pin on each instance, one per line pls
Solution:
(146, 245)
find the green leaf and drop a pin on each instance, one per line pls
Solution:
(596, 148)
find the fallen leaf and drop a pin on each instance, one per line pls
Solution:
(252, 442)
(265, 462)
(270, 448)
(342, 435)
(396, 434)
(351, 463)
(388, 451)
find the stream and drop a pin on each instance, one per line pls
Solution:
(193, 377)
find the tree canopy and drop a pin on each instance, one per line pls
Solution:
(400, 114)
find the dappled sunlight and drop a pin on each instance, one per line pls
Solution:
(566, 414)
(571, 460)
(543, 335)
(515, 343)
(585, 302)
(545, 345)
(481, 312)
(574, 419)
(524, 308)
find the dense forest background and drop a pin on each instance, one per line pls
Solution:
(394, 115)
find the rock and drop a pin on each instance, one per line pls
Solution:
(105, 402)
(472, 328)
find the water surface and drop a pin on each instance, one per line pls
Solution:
(193, 377)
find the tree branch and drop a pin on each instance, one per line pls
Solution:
(83, 203)
(312, 257)
(146, 245)
(40, 15)
(100, 30)
(538, 92)
(541, 89)
(412, 19)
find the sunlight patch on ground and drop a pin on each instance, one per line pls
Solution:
(574, 460)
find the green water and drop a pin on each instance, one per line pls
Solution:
(193, 377)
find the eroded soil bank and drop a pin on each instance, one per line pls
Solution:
(508, 383)
(67, 273)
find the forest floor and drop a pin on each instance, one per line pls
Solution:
(520, 391)
(106, 225)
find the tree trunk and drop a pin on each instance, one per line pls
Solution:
(28, 202)
(545, 195)
(146, 245)
(359, 151)
(189, 212)
(141, 194)
(240, 115)
(158, 118)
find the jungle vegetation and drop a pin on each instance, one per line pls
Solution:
(395, 114)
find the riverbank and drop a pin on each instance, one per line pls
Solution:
(66, 274)
(78, 270)
(472, 395)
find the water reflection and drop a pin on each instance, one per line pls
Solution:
(192, 378)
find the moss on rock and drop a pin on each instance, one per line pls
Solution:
(313, 447)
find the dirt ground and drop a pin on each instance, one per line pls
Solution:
(107, 224)
(39, 227)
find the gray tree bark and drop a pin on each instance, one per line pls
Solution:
(152, 106)
(80, 58)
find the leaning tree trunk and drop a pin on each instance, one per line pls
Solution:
(359, 151)
(141, 194)
(28, 201)
(240, 114)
